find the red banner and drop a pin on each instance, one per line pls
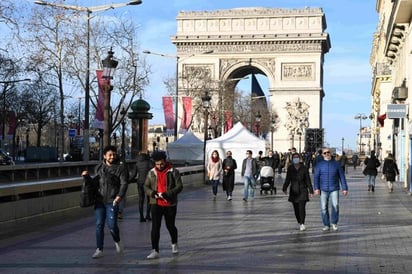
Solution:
(228, 121)
(99, 118)
(12, 123)
(187, 114)
(169, 114)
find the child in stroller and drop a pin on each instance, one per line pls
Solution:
(267, 181)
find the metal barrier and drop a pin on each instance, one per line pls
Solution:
(27, 199)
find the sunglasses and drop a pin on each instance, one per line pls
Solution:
(326, 152)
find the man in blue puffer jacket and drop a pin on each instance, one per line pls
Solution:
(328, 174)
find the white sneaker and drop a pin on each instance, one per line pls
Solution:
(334, 227)
(229, 198)
(97, 254)
(325, 228)
(302, 227)
(119, 246)
(174, 249)
(153, 255)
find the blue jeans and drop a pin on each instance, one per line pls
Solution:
(215, 184)
(249, 181)
(371, 180)
(333, 196)
(106, 213)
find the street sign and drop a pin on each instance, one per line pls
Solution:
(72, 132)
(395, 111)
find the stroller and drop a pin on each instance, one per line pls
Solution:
(267, 180)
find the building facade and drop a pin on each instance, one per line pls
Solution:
(391, 63)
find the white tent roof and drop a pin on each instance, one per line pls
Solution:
(187, 148)
(237, 140)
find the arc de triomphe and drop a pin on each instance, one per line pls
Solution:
(285, 45)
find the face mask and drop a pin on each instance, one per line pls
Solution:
(295, 160)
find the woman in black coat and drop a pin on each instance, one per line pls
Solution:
(371, 170)
(390, 170)
(297, 176)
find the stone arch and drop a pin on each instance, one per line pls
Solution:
(285, 45)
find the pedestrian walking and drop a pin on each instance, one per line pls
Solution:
(370, 171)
(229, 166)
(163, 184)
(390, 171)
(328, 180)
(144, 164)
(214, 171)
(111, 186)
(343, 160)
(355, 160)
(249, 169)
(297, 177)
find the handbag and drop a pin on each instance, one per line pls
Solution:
(88, 193)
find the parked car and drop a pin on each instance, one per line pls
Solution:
(5, 158)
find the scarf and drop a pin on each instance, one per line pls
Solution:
(162, 183)
(215, 159)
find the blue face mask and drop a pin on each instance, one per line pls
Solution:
(295, 160)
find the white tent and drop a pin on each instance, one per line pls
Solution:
(237, 140)
(187, 148)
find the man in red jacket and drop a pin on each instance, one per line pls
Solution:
(163, 184)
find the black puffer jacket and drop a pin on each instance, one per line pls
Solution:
(111, 182)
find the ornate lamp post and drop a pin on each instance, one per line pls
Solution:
(272, 129)
(360, 117)
(88, 11)
(123, 148)
(109, 66)
(258, 118)
(300, 140)
(206, 104)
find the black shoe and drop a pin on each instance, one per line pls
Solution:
(373, 189)
(142, 219)
(369, 188)
(148, 218)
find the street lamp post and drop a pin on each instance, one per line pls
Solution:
(123, 148)
(258, 118)
(343, 143)
(360, 117)
(88, 11)
(206, 104)
(109, 66)
(272, 129)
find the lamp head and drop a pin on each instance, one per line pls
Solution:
(135, 2)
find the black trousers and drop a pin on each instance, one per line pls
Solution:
(300, 211)
(169, 212)
(142, 198)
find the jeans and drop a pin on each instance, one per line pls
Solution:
(333, 196)
(249, 181)
(371, 180)
(215, 184)
(170, 218)
(106, 213)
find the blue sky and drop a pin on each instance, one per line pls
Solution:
(347, 80)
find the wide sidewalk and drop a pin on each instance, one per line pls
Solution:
(260, 236)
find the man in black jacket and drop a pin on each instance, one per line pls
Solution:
(111, 186)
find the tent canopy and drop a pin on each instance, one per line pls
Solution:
(237, 140)
(187, 148)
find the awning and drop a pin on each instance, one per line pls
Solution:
(381, 119)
